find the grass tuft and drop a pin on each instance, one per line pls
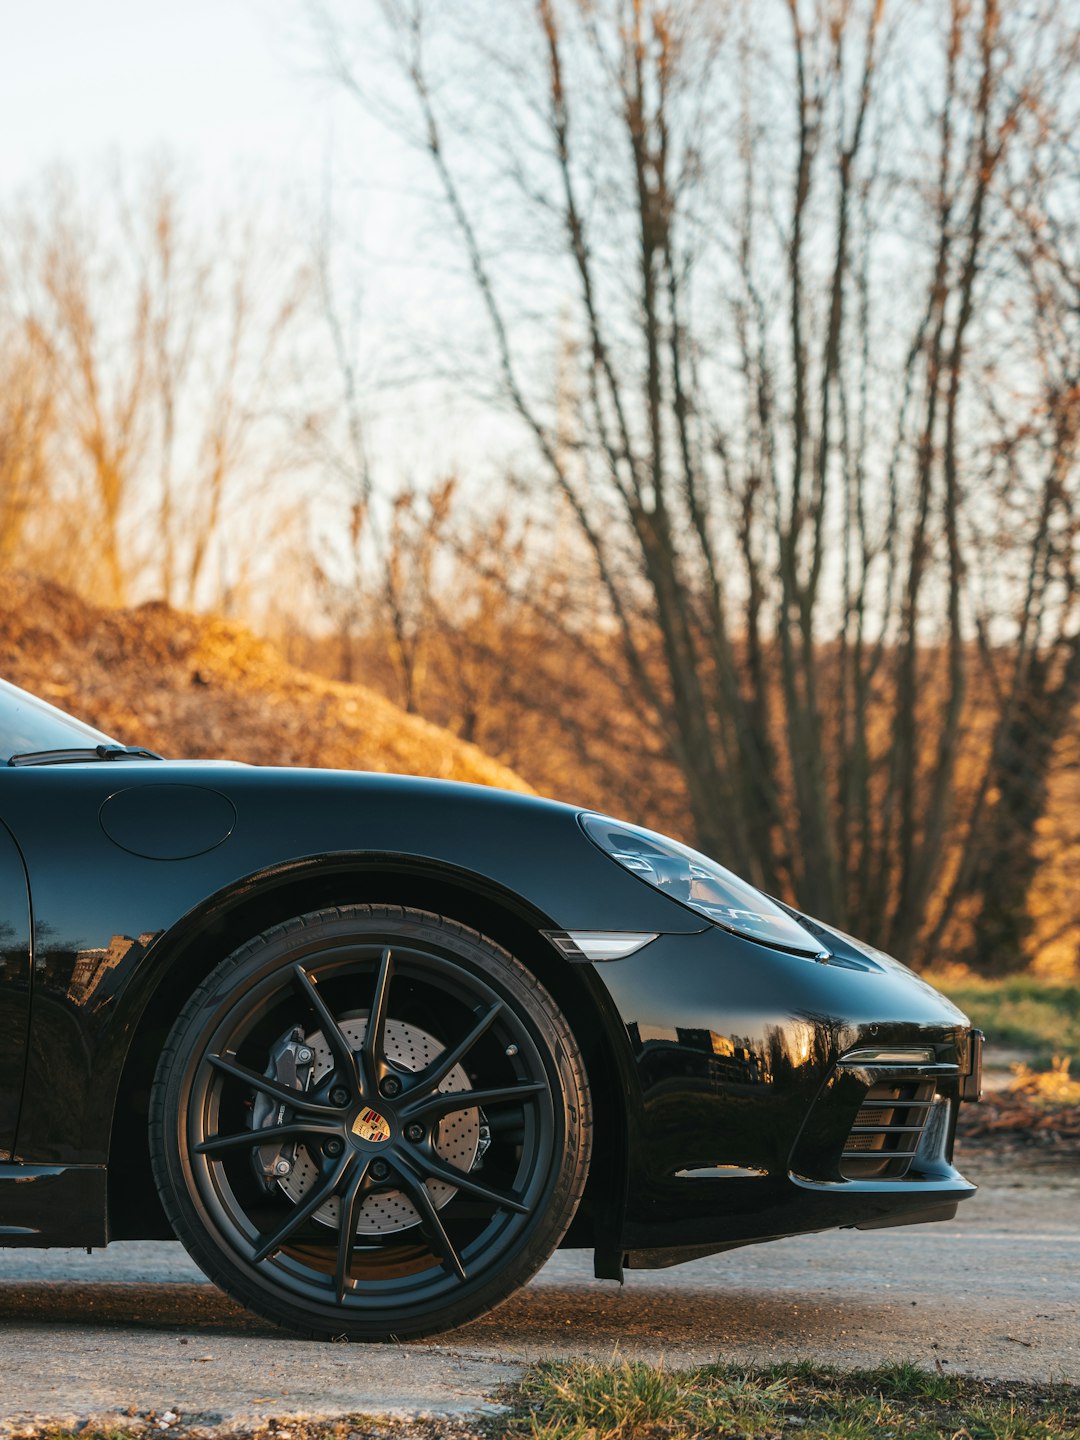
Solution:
(629, 1400)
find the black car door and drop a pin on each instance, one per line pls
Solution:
(14, 986)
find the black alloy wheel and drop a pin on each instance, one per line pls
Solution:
(370, 1122)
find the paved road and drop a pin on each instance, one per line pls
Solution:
(995, 1292)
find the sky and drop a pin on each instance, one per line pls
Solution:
(219, 82)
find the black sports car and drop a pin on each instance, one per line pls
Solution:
(374, 1046)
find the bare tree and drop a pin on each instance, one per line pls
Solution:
(782, 253)
(82, 309)
(1031, 468)
(160, 339)
(25, 426)
(385, 590)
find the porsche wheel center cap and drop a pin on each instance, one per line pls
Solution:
(371, 1126)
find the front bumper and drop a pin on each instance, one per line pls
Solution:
(745, 1124)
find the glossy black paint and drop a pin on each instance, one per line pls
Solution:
(705, 1051)
(14, 985)
(43, 1205)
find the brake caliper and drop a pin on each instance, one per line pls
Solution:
(291, 1064)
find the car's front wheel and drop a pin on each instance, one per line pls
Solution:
(370, 1122)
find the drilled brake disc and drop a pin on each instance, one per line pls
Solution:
(456, 1139)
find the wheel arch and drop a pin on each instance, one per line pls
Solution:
(185, 955)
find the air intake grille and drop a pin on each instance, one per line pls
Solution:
(887, 1130)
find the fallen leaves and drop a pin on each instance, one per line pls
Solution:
(1039, 1108)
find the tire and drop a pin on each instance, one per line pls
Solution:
(309, 1146)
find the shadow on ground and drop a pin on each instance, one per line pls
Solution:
(545, 1317)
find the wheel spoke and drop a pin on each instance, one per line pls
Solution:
(342, 1051)
(304, 1212)
(297, 1099)
(351, 1201)
(429, 1165)
(290, 1130)
(430, 1221)
(430, 1078)
(373, 1048)
(446, 1102)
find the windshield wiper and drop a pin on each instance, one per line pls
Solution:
(74, 757)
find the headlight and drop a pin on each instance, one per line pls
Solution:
(703, 885)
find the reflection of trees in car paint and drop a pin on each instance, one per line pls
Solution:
(726, 1099)
(701, 1057)
(711, 1058)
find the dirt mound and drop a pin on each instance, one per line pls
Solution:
(199, 687)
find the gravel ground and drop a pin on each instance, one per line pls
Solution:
(135, 1329)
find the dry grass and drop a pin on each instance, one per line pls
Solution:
(1022, 1012)
(584, 1400)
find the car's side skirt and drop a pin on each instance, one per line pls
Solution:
(52, 1205)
